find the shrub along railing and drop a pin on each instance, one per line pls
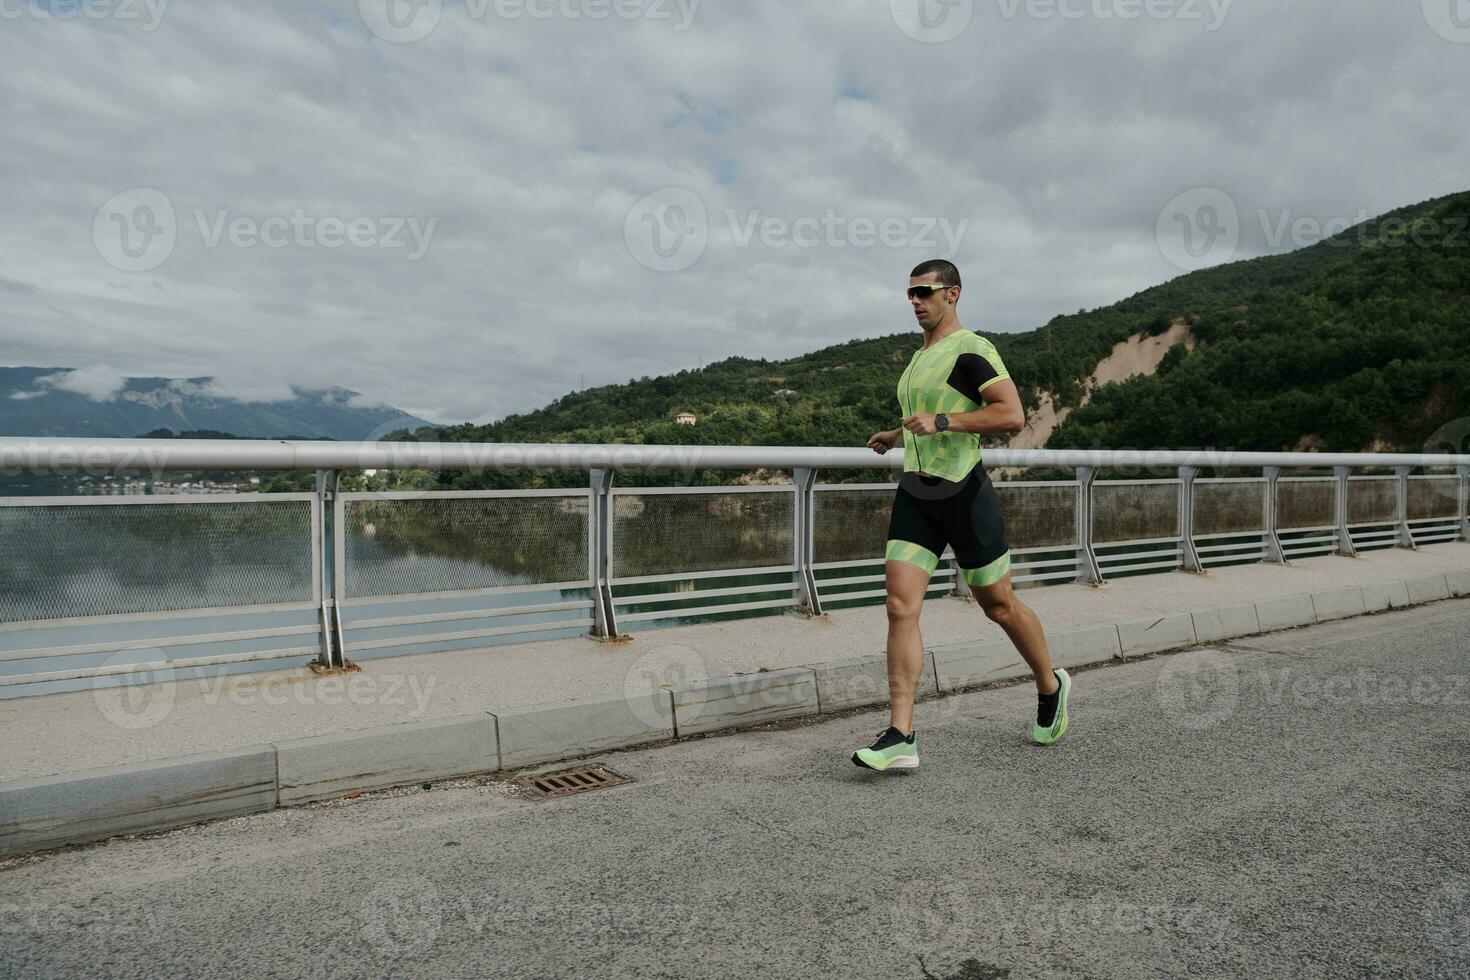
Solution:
(94, 588)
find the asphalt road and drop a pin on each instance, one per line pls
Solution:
(1295, 805)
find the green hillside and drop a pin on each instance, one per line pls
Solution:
(1360, 341)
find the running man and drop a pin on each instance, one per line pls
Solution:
(954, 390)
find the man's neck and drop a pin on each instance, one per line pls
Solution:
(940, 332)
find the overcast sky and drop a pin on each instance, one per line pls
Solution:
(468, 208)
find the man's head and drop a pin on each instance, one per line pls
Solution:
(932, 306)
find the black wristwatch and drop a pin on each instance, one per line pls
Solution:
(941, 422)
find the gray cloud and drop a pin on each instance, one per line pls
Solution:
(528, 140)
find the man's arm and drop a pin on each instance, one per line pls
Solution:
(1002, 413)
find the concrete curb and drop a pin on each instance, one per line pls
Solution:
(53, 811)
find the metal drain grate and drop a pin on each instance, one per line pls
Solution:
(565, 782)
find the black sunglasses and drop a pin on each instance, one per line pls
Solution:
(926, 290)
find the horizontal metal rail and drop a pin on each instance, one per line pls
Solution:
(18, 453)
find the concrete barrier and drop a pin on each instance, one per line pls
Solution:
(1225, 623)
(1427, 588)
(1338, 604)
(54, 810)
(1458, 582)
(1077, 648)
(1285, 612)
(1153, 634)
(745, 699)
(1382, 596)
(961, 665)
(567, 729)
(861, 681)
(328, 766)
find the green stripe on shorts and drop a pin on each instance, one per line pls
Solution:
(987, 574)
(913, 554)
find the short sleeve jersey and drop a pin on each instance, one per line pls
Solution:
(949, 377)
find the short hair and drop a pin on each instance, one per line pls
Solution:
(942, 269)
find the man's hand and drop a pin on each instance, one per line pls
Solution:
(881, 442)
(921, 425)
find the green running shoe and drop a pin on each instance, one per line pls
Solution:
(1056, 726)
(892, 751)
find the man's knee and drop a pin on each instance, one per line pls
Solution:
(1001, 611)
(902, 608)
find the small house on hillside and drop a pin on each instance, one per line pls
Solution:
(686, 418)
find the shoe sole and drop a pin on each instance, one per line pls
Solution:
(902, 762)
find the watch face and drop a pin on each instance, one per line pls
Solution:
(942, 422)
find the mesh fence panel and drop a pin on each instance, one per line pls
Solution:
(1438, 496)
(1306, 503)
(1229, 508)
(1373, 500)
(658, 534)
(850, 525)
(112, 559)
(1123, 511)
(1037, 517)
(408, 547)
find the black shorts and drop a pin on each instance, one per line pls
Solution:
(930, 513)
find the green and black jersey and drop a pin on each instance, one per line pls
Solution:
(948, 377)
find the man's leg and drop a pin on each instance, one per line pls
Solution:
(907, 584)
(1020, 624)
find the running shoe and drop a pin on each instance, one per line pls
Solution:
(1050, 729)
(892, 751)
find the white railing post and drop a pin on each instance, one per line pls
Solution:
(1462, 514)
(1340, 517)
(601, 516)
(1275, 554)
(332, 564)
(804, 580)
(1191, 562)
(1406, 535)
(1087, 567)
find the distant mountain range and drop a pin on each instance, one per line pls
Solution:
(52, 401)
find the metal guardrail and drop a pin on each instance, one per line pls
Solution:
(97, 587)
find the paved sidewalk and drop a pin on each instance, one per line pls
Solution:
(84, 730)
(1292, 805)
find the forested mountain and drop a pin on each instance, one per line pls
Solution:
(1359, 342)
